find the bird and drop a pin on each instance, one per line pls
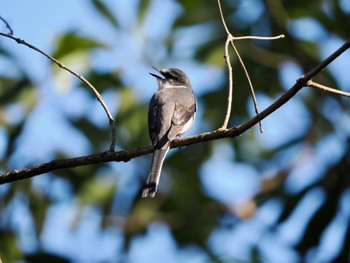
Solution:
(171, 113)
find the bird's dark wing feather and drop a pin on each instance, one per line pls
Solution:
(181, 116)
(153, 120)
(159, 120)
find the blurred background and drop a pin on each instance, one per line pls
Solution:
(280, 196)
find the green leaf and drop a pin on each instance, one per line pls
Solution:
(72, 42)
(105, 11)
(143, 8)
(11, 89)
(9, 250)
(98, 190)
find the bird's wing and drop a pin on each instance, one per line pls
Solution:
(160, 121)
(181, 116)
(153, 120)
(167, 116)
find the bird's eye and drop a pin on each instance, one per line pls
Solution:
(173, 76)
(169, 75)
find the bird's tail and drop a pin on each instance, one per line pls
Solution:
(150, 188)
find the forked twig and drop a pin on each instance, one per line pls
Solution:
(61, 65)
(230, 39)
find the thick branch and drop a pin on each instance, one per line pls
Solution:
(223, 132)
(124, 156)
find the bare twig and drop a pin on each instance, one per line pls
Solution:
(250, 84)
(259, 37)
(230, 73)
(61, 65)
(230, 86)
(223, 19)
(312, 84)
(124, 156)
(7, 26)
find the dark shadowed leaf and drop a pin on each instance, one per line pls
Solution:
(105, 11)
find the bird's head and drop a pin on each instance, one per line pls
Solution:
(172, 77)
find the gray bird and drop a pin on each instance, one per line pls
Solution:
(171, 113)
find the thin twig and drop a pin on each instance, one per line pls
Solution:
(250, 84)
(230, 86)
(61, 65)
(223, 18)
(124, 156)
(259, 37)
(230, 72)
(316, 85)
(7, 26)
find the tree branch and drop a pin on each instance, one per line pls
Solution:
(316, 85)
(124, 156)
(61, 65)
(7, 26)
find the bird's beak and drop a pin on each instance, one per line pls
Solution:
(154, 75)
